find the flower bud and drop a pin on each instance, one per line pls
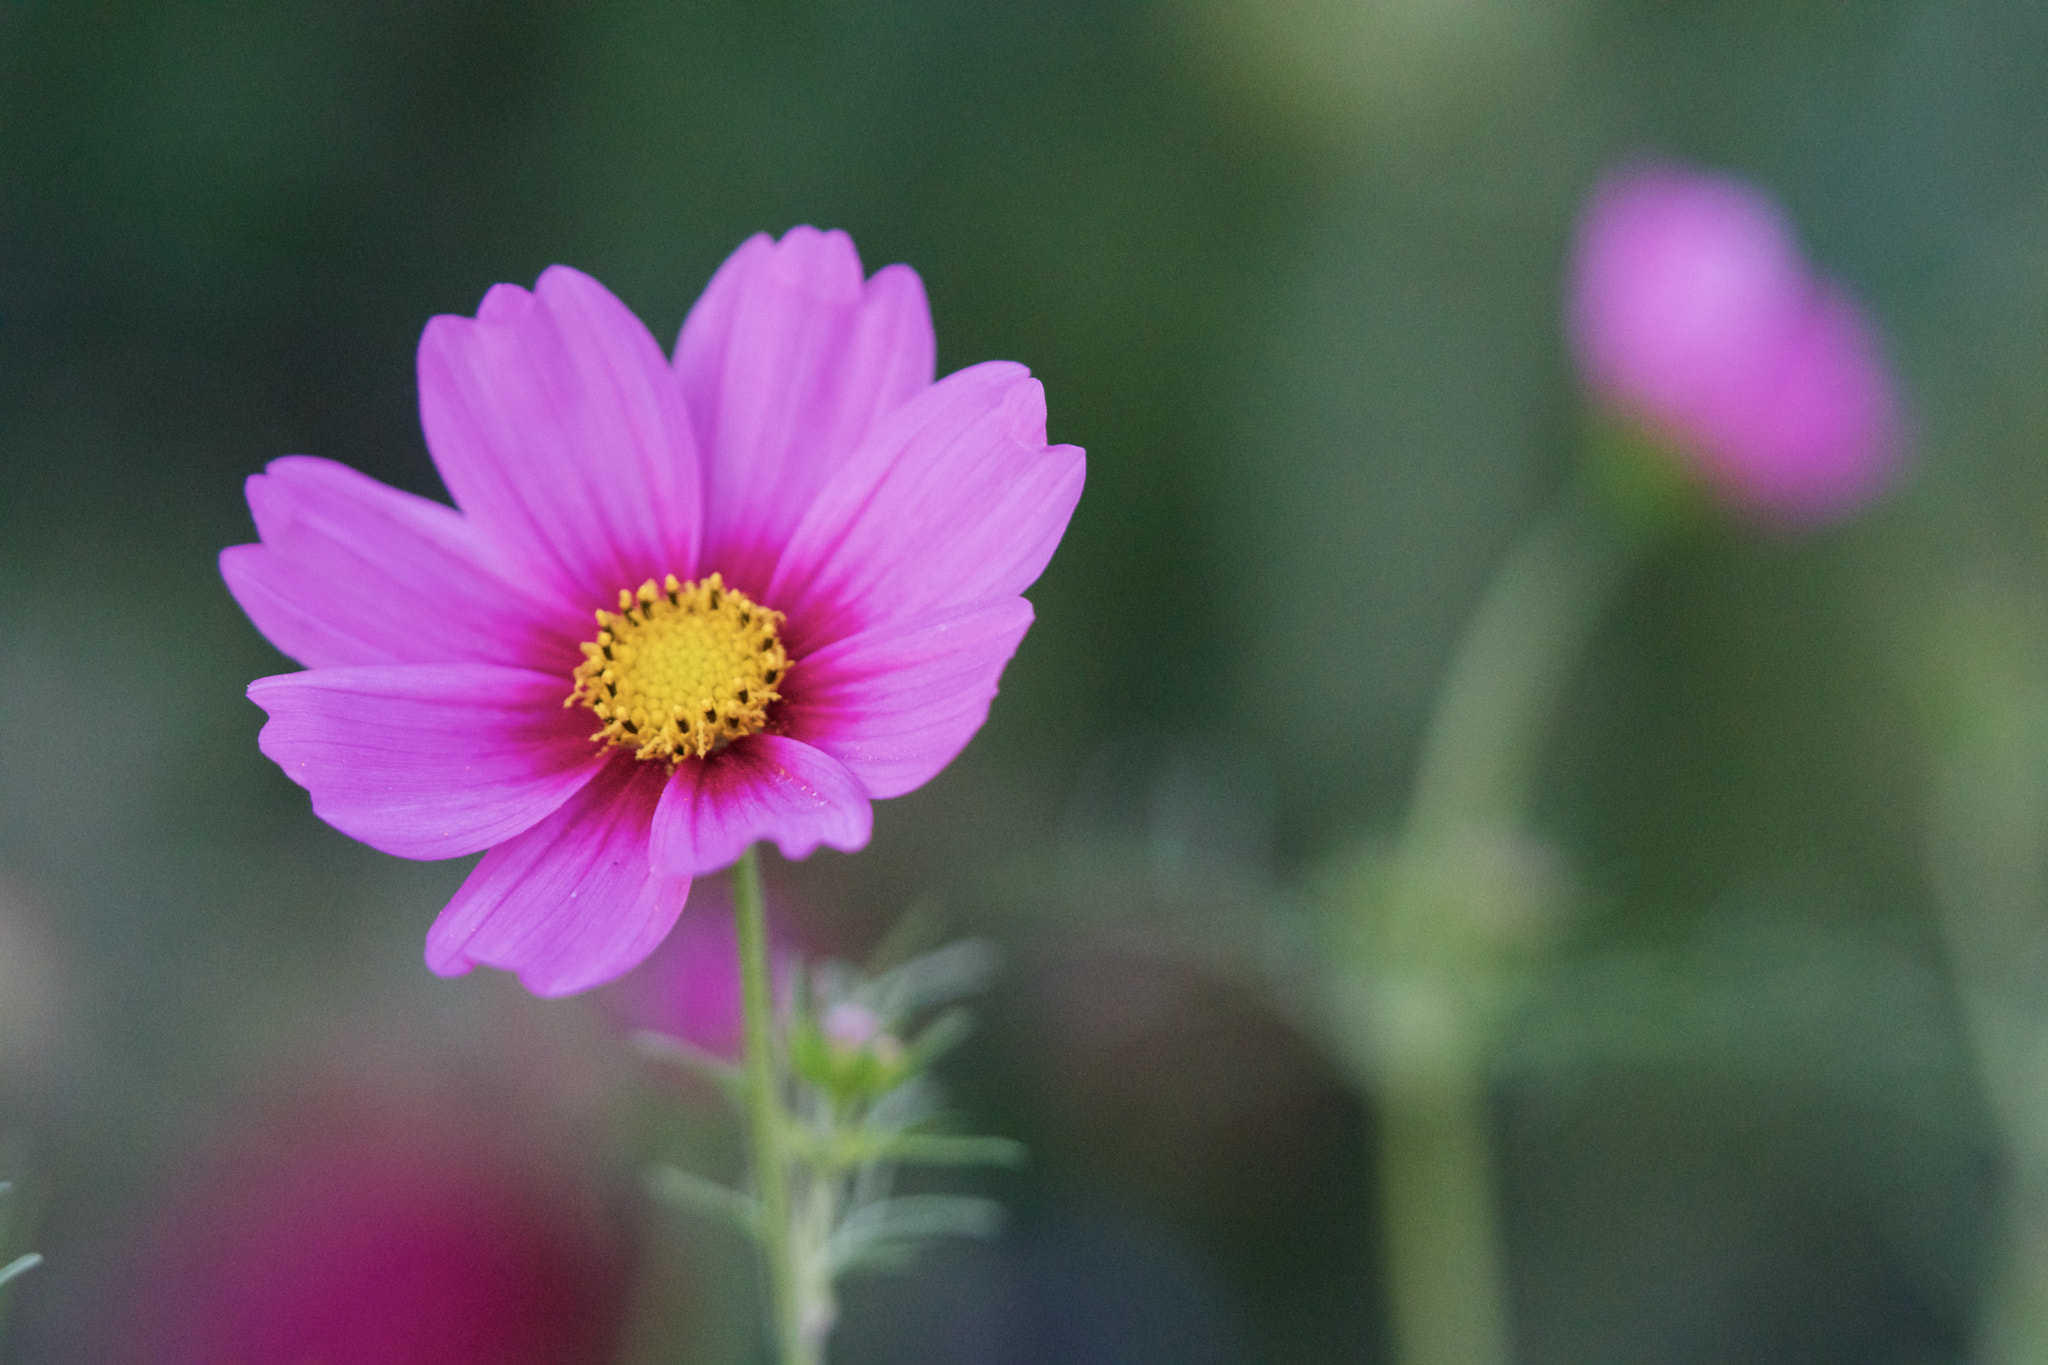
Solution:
(1694, 319)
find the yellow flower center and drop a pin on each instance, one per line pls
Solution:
(681, 669)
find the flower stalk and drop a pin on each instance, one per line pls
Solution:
(799, 1330)
(1716, 359)
(836, 1095)
(1437, 935)
(1987, 829)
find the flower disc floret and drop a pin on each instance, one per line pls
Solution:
(681, 670)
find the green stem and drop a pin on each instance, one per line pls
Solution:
(1542, 606)
(1445, 1277)
(1988, 829)
(1436, 959)
(768, 1123)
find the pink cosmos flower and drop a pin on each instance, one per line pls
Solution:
(1692, 313)
(678, 606)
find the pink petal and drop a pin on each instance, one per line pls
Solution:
(956, 499)
(689, 987)
(572, 902)
(351, 571)
(762, 787)
(787, 362)
(1818, 435)
(559, 428)
(1678, 278)
(428, 760)
(898, 703)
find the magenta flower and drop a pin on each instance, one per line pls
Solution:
(1692, 314)
(677, 608)
(362, 1232)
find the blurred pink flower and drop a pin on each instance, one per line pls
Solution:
(1692, 313)
(689, 988)
(365, 1233)
(804, 555)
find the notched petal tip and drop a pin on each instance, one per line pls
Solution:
(1024, 411)
(234, 566)
(446, 964)
(559, 284)
(261, 688)
(502, 304)
(899, 279)
(823, 263)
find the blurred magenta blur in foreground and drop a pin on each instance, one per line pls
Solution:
(368, 1234)
(689, 988)
(1692, 314)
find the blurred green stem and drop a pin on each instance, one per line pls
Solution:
(1480, 752)
(1988, 837)
(768, 1125)
(1432, 951)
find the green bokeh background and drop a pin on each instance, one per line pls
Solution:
(1290, 273)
